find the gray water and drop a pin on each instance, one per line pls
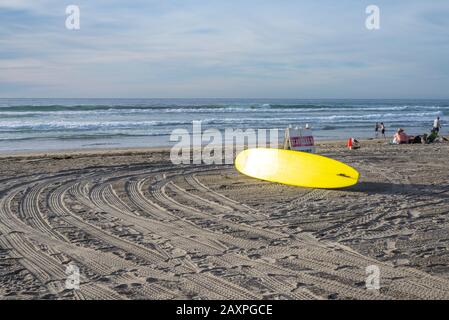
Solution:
(54, 124)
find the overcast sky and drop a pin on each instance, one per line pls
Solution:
(225, 48)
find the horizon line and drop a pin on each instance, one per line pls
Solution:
(216, 98)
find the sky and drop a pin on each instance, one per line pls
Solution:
(224, 49)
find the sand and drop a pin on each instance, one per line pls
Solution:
(138, 227)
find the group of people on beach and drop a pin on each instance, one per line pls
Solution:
(401, 137)
(380, 127)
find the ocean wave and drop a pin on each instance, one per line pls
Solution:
(56, 125)
(59, 108)
(79, 109)
(84, 136)
(329, 128)
(81, 124)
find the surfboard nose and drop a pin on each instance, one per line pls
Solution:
(241, 160)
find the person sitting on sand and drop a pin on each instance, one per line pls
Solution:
(400, 137)
(416, 139)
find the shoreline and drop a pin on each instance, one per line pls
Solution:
(141, 150)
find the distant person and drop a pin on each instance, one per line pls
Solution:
(400, 137)
(382, 130)
(376, 130)
(437, 125)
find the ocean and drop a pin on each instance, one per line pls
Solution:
(57, 124)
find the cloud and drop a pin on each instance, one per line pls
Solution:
(223, 48)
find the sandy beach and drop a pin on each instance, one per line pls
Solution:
(139, 227)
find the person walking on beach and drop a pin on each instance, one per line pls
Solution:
(376, 130)
(437, 125)
(382, 129)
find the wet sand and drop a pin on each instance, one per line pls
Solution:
(139, 227)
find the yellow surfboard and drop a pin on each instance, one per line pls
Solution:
(295, 168)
